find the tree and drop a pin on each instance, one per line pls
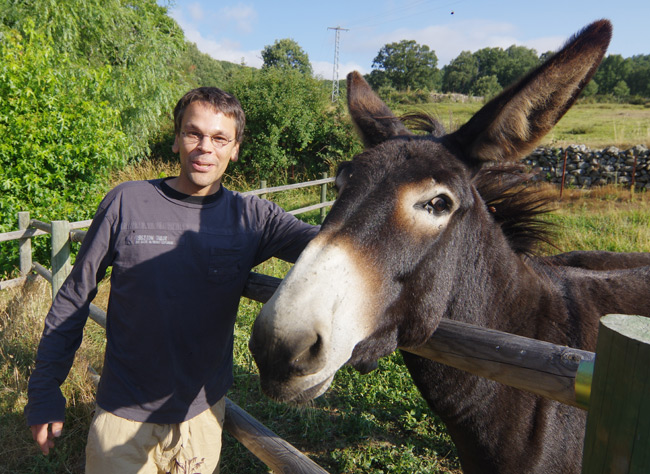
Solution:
(638, 76)
(59, 138)
(621, 90)
(486, 87)
(139, 43)
(286, 54)
(611, 71)
(490, 61)
(460, 73)
(518, 61)
(405, 65)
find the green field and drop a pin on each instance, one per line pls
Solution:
(375, 423)
(592, 124)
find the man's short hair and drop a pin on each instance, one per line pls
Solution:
(222, 102)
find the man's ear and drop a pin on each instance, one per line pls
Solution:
(175, 147)
(234, 156)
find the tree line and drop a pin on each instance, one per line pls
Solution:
(408, 65)
(88, 86)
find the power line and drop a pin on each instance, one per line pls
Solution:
(335, 72)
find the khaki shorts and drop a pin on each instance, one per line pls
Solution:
(120, 446)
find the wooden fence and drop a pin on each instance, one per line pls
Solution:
(618, 399)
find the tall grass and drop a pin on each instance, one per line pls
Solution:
(375, 423)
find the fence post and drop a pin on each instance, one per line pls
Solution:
(618, 421)
(60, 254)
(262, 186)
(24, 245)
(323, 197)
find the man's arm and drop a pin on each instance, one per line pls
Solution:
(285, 236)
(62, 334)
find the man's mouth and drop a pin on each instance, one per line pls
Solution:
(201, 167)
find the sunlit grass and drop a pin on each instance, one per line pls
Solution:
(594, 125)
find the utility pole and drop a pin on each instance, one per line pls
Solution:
(335, 72)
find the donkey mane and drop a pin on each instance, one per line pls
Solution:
(515, 207)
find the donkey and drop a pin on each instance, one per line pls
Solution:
(431, 226)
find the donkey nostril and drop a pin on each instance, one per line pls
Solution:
(309, 359)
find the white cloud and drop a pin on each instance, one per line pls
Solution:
(196, 11)
(223, 50)
(325, 69)
(243, 15)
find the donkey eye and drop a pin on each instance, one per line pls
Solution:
(438, 205)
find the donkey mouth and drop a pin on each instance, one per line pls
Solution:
(288, 392)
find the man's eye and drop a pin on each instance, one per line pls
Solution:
(219, 140)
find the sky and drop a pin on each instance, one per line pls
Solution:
(238, 31)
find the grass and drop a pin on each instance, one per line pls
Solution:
(375, 423)
(592, 124)
(603, 218)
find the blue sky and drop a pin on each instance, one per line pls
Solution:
(237, 31)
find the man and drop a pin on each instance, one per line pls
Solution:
(180, 251)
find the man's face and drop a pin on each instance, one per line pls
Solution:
(203, 163)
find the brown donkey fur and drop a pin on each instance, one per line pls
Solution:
(436, 226)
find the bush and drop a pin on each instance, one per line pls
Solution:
(290, 124)
(58, 138)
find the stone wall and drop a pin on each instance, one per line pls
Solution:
(586, 167)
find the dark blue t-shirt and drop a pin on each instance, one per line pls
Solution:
(179, 266)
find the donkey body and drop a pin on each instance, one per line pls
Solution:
(433, 226)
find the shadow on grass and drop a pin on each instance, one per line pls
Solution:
(364, 423)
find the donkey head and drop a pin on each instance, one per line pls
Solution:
(409, 233)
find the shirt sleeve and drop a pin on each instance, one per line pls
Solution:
(284, 236)
(65, 321)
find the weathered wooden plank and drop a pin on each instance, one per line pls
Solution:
(275, 189)
(21, 234)
(60, 252)
(313, 207)
(539, 367)
(267, 446)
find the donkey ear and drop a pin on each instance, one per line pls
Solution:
(510, 125)
(374, 120)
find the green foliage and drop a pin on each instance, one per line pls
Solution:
(286, 54)
(518, 61)
(136, 39)
(58, 137)
(202, 70)
(395, 98)
(486, 86)
(621, 77)
(487, 70)
(460, 73)
(405, 65)
(290, 122)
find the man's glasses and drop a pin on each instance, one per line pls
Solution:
(194, 138)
